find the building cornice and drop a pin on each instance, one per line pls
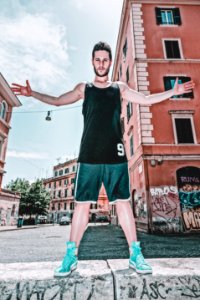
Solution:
(7, 93)
(168, 61)
(161, 2)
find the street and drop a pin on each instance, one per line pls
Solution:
(48, 243)
(44, 243)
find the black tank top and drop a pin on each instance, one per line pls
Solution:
(102, 140)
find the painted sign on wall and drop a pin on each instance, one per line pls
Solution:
(188, 179)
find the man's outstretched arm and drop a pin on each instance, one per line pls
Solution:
(137, 97)
(70, 97)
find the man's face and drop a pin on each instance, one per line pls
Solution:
(101, 63)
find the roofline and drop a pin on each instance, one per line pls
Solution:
(124, 9)
(8, 93)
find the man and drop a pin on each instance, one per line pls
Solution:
(102, 157)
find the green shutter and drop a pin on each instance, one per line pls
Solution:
(177, 16)
(158, 16)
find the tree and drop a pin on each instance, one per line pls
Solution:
(34, 198)
(22, 186)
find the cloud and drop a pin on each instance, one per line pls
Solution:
(27, 155)
(35, 48)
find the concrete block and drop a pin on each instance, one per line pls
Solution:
(172, 279)
(33, 281)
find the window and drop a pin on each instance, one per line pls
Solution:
(3, 110)
(61, 172)
(169, 83)
(72, 180)
(72, 192)
(54, 195)
(65, 206)
(59, 194)
(168, 16)
(60, 182)
(172, 49)
(122, 125)
(129, 110)
(184, 131)
(66, 170)
(71, 205)
(131, 146)
(125, 49)
(120, 70)
(127, 75)
(56, 173)
(1, 145)
(65, 192)
(58, 206)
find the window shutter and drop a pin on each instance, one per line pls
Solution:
(158, 16)
(191, 94)
(167, 83)
(177, 16)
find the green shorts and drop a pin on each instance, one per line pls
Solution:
(89, 178)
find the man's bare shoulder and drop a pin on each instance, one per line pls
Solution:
(122, 85)
(80, 88)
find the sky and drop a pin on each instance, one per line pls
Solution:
(50, 43)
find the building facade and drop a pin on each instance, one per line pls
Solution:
(9, 201)
(158, 41)
(61, 187)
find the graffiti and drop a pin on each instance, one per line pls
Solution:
(184, 287)
(164, 201)
(190, 287)
(189, 179)
(191, 219)
(165, 209)
(189, 199)
(160, 191)
(189, 194)
(40, 290)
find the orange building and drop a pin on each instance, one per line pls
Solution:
(9, 201)
(157, 42)
(61, 188)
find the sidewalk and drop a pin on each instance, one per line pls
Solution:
(11, 228)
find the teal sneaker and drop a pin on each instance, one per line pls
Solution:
(69, 262)
(137, 261)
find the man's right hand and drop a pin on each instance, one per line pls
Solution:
(22, 90)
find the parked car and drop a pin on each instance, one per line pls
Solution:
(102, 218)
(42, 219)
(65, 220)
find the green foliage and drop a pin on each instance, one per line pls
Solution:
(34, 198)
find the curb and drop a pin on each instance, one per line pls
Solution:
(172, 279)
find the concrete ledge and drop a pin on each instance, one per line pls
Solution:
(99, 280)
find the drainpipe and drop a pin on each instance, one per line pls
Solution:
(149, 207)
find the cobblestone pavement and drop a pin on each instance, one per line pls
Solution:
(99, 242)
(109, 242)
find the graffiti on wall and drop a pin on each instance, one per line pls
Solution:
(189, 194)
(165, 209)
(140, 206)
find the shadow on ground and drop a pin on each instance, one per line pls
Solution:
(109, 242)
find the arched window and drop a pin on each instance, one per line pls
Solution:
(3, 110)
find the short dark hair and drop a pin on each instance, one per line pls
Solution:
(102, 46)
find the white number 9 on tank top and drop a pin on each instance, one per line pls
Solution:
(120, 150)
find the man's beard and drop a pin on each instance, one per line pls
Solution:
(102, 75)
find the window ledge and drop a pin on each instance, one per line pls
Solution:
(182, 99)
